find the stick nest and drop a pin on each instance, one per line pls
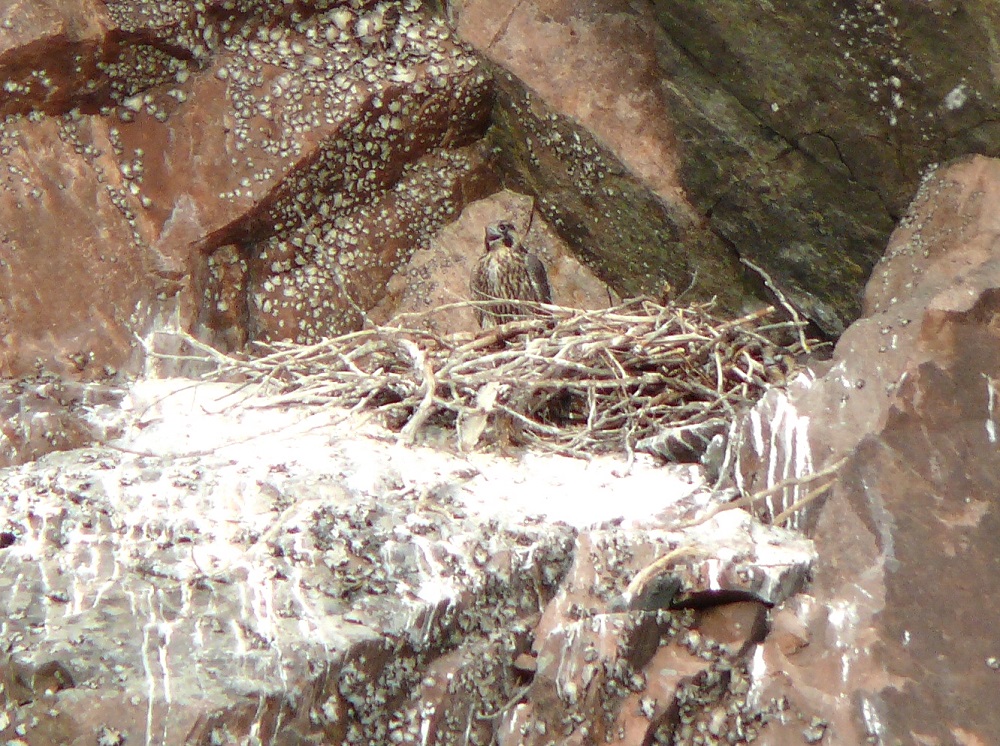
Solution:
(572, 381)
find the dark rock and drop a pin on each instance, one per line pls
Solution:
(737, 626)
(790, 135)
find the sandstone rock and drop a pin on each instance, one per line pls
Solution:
(630, 237)
(314, 149)
(70, 292)
(907, 534)
(261, 172)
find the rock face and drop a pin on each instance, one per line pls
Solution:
(313, 582)
(256, 171)
(309, 580)
(259, 171)
(45, 413)
(262, 169)
(908, 534)
(791, 134)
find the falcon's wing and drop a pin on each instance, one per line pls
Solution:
(539, 278)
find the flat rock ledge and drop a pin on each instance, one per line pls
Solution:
(228, 570)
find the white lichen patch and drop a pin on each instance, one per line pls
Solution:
(957, 97)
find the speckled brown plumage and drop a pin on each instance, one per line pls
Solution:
(507, 271)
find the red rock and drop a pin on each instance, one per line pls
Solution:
(63, 226)
(223, 183)
(788, 631)
(298, 149)
(736, 626)
(897, 642)
(576, 41)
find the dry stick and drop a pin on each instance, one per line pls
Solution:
(617, 365)
(532, 424)
(800, 503)
(423, 365)
(747, 500)
(753, 316)
(778, 325)
(796, 481)
(578, 343)
(649, 571)
(772, 286)
(221, 360)
(752, 364)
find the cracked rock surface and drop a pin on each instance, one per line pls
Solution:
(258, 169)
(180, 565)
(907, 536)
(790, 134)
(224, 572)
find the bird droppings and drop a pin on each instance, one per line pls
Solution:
(872, 26)
(357, 590)
(957, 97)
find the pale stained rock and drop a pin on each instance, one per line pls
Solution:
(618, 683)
(45, 413)
(227, 569)
(908, 535)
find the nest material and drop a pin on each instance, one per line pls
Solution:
(572, 381)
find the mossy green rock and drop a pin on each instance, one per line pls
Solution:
(830, 112)
(803, 129)
(634, 240)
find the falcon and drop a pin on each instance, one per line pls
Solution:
(507, 272)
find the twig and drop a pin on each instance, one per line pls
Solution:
(773, 287)
(749, 500)
(578, 382)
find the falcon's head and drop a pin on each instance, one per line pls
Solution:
(499, 234)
